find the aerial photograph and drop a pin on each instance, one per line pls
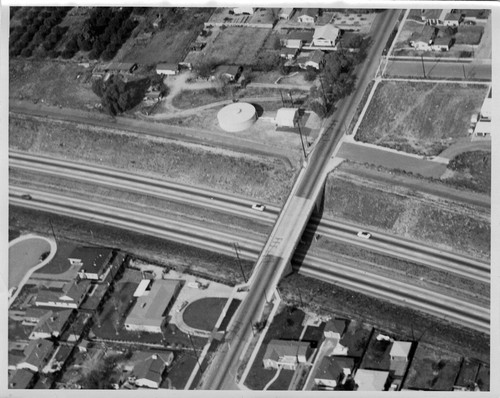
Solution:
(249, 198)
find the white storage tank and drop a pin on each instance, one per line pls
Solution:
(237, 117)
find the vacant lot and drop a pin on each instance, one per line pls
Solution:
(243, 174)
(53, 82)
(203, 314)
(433, 368)
(403, 212)
(234, 46)
(170, 42)
(421, 118)
(471, 170)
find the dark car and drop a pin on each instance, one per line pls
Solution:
(26, 196)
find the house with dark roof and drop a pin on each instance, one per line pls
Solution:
(70, 296)
(286, 354)
(308, 15)
(423, 37)
(94, 262)
(52, 324)
(36, 355)
(33, 315)
(316, 60)
(288, 53)
(297, 38)
(149, 372)
(452, 19)
(148, 312)
(328, 374)
(334, 328)
(22, 379)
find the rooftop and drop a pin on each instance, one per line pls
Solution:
(329, 369)
(311, 12)
(371, 380)
(21, 379)
(326, 32)
(93, 259)
(277, 349)
(37, 351)
(400, 349)
(149, 309)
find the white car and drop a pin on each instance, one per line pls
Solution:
(364, 235)
(258, 207)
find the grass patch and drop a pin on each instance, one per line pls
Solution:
(227, 171)
(188, 99)
(470, 35)
(60, 263)
(56, 83)
(421, 118)
(407, 213)
(181, 369)
(231, 45)
(204, 313)
(170, 43)
(235, 303)
(287, 325)
(377, 355)
(471, 170)
(433, 368)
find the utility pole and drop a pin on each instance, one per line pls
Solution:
(195, 352)
(235, 244)
(463, 68)
(282, 99)
(52, 227)
(423, 66)
(291, 98)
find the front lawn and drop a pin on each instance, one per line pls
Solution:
(421, 118)
(204, 313)
(181, 369)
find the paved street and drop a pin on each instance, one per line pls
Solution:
(438, 69)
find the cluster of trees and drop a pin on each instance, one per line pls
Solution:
(337, 78)
(38, 27)
(118, 96)
(103, 33)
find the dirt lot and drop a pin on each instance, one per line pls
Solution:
(433, 368)
(52, 82)
(232, 46)
(243, 174)
(422, 118)
(410, 214)
(170, 43)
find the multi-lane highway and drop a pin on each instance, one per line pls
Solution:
(239, 206)
(436, 303)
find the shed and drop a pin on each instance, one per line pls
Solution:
(167, 69)
(287, 117)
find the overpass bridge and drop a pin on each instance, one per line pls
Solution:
(274, 260)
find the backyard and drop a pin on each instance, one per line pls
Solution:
(420, 118)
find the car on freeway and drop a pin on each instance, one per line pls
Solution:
(258, 207)
(26, 196)
(364, 235)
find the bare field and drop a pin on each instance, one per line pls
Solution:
(227, 171)
(232, 45)
(421, 118)
(52, 82)
(409, 214)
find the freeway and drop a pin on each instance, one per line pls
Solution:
(239, 206)
(433, 302)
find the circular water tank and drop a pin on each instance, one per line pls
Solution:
(237, 117)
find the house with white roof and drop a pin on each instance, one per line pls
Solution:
(325, 36)
(287, 117)
(286, 354)
(371, 380)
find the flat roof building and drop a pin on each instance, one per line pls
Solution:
(148, 313)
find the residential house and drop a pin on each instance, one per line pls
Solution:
(454, 19)
(400, 356)
(423, 37)
(285, 13)
(371, 380)
(288, 53)
(59, 359)
(287, 117)
(167, 69)
(78, 327)
(328, 374)
(334, 329)
(432, 16)
(316, 60)
(33, 315)
(148, 312)
(308, 15)
(52, 324)
(285, 353)
(94, 262)
(22, 379)
(115, 67)
(36, 355)
(230, 73)
(244, 10)
(149, 372)
(325, 36)
(442, 43)
(70, 296)
(298, 38)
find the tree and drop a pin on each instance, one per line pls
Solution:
(26, 52)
